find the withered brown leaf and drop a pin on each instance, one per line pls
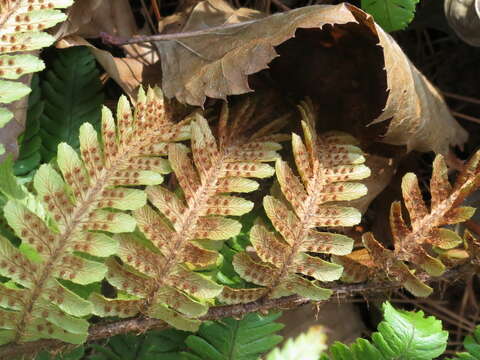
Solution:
(329, 53)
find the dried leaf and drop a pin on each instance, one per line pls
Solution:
(217, 64)
(419, 116)
(87, 18)
(314, 51)
(463, 16)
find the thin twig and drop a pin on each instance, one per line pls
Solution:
(461, 97)
(148, 16)
(141, 324)
(473, 226)
(116, 40)
(156, 10)
(281, 5)
(466, 117)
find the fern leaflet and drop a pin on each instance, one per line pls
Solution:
(159, 274)
(21, 25)
(230, 339)
(326, 165)
(413, 244)
(72, 94)
(29, 157)
(77, 219)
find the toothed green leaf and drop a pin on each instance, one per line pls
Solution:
(391, 15)
(472, 347)
(401, 335)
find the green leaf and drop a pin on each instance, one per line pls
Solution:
(75, 354)
(226, 274)
(402, 335)
(72, 93)
(164, 345)
(409, 335)
(391, 15)
(472, 345)
(30, 141)
(307, 346)
(230, 339)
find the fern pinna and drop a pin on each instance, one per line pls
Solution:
(21, 25)
(79, 215)
(157, 278)
(327, 165)
(414, 244)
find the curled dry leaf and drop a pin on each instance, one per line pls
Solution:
(463, 16)
(329, 53)
(419, 116)
(87, 18)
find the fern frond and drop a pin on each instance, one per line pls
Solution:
(327, 165)
(78, 205)
(181, 227)
(231, 339)
(413, 243)
(21, 29)
(164, 345)
(30, 142)
(72, 94)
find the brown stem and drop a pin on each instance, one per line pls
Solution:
(116, 40)
(141, 324)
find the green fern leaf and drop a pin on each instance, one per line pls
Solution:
(73, 95)
(165, 345)
(226, 273)
(64, 236)
(231, 339)
(75, 354)
(391, 15)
